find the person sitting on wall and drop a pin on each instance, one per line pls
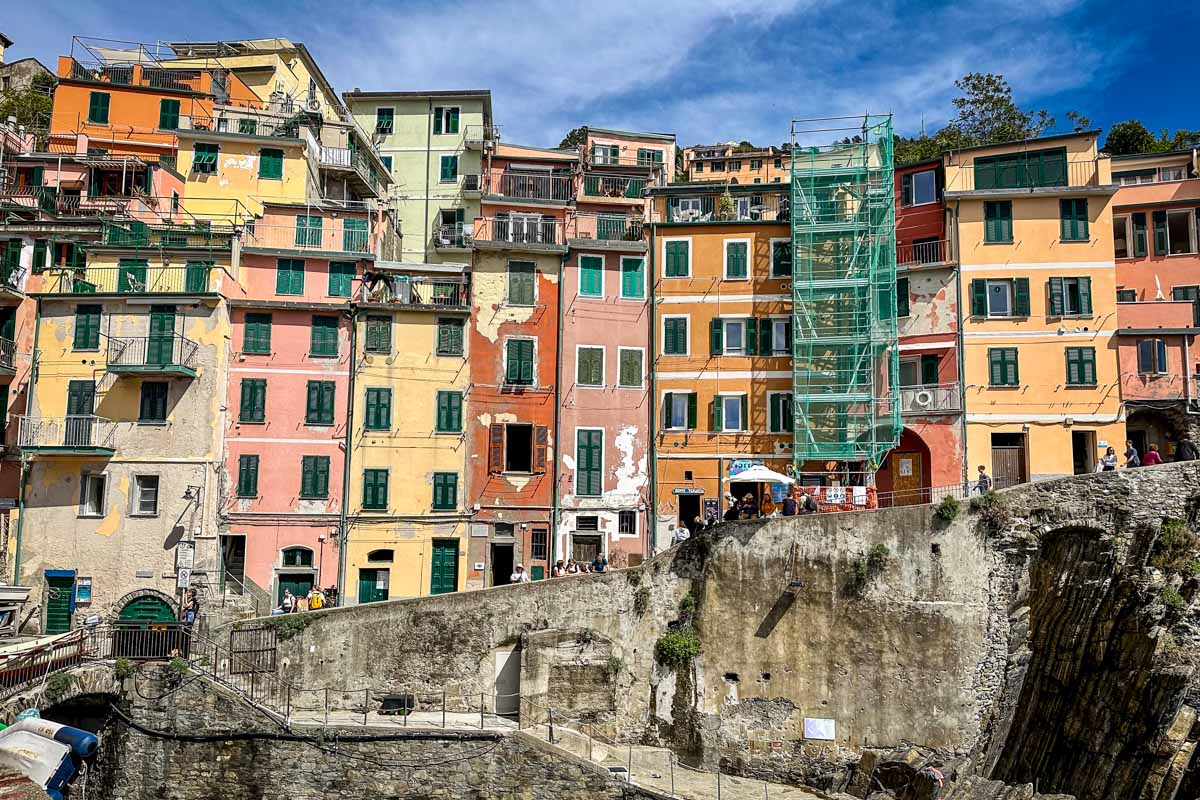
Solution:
(733, 508)
(600, 564)
(558, 571)
(749, 508)
(984, 484)
(808, 503)
(682, 534)
(519, 575)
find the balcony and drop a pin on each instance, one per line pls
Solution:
(175, 80)
(197, 235)
(766, 207)
(932, 253)
(1005, 175)
(334, 240)
(471, 186)
(606, 231)
(132, 279)
(613, 187)
(415, 293)
(8, 352)
(932, 399)
(521, 232)
(163, 354)
(451, 237)
(476, 137)
(349, 159)
(557, 189)
(242, 125)
(599, 158)
(77, 435)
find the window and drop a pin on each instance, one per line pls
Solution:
(780, 417)
(521, 283)
(779, 163)
(341, 278)
(168, 115)
(591, 276)
(1121, 247)
(40, 248)
(1002, 366)
(627, 522)
(736, 258)
(539, 539)
(733, 337)
(589, 462)
(675, 336)
(381, 555)
(629, 367)
(919, 188)
(1138, 223)
(1000, 298)
(1081, 366)
(518, 446)
(247, 479)
(449, 171)
(1126, 295)
(699, 166)
(902, 297)
(445, 120)
(379, 334)
(385, 120)
(256, 336)
(87, 328)
(270, 164)
(679, 411)
(997, 221)
(247, 126)
(1152, 357)
(309, 230)
(153, 405)
(734, 166)
(387, 162)
(1022, 170)
(375, 490)
(318, 407)
(289, 277)
(779, 343)
(649, 157)
(606, 153)
(445, 491)
(1073, 219)
(449, 412)
(781, 258)
(1189, 293)
(518, 358)
(1134, 177)
(729, 412)
(1174, 233)
(145, 495)
(589, 366)
(633, 278)
(756, 163)
(379, 409)
(678, 258)
(1171, 173)
(449, 337)
(1070, 297)
(297, 557)
(91, 494)
(324, 335)
(314, 477)
(98, 107)
(588, 522)
(204, 158)
(254, 400)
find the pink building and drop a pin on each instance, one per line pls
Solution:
(287, 397)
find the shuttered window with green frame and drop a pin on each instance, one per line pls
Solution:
(780, 417)
(1002, 366)
(168, 114)
(319, 400)
(375, 490)
(591, 276)
(379, 334)
(450, 336)
(289, 276)
(633, 277)
(308, 230)
(445, 491)
(270, 163)
(247, 478)
(1070, 297)
(378, 409)
(629, 368)
(204, 158)
(341, 278)
(324, 340)
(449, 412)
(997, 222)
(98, 103)
(449, 169)
(589, 458)
(677, 258)
(590, 366)
(518, 362)
(902, 298)
(1138, 221)
(522, 277)
(736, 260)
(87, 328)
(253, 400)
(354, 236)
(1073, 219)
(1081, 366)
(256, 337)
(314, 477)
(675, 336)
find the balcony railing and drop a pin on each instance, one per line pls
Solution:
(75, 433)
(416, 292)
(615, 186)
(30, 197)
(524, 186)
(519, 230)
(602, 159)
(1030, 173)
(179, 80)
(332, 239)
(456, 235)
(766, 207)
(199, 234)
(606, 227)
(8, 352)
(932, 399)
(194, 278)
(167, 353)
(244, 124)
(351, 159)
(917, 253)
(476, 135)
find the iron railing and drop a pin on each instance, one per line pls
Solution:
(766, 207)
(8, 352)
(614, 186)
(140, 234)
(477, 135)
(1024, 173)
(179, 80)
(519, 230)
(325, 238)
(928, 252)
(599, 158)
(161, 350)
(528, 186)
(455, 235)
(76, 431)
(194, 278)
(931, 399)
(416, 292)
(605, 227)
(351, 159)
(244, 124)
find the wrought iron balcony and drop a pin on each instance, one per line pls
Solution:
(927, 253)
(82, 434)
(765, 207)
(530, 186)
(932, 399)
(477, 136)
(8, 351)
(619, 230)
(455, 236)
(161, 354)
(415, 292)
(1019, 172)
(350, 159)
(327, 238)
(198, 234)
(620, 187)
(519, 232)
(132, 279)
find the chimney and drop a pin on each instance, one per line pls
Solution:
(5, 43)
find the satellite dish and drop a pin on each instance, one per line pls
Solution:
(174, 537)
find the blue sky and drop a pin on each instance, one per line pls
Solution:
(707, 71)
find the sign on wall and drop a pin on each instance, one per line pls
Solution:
(816, 728)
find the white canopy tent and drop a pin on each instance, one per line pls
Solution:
(759, 474)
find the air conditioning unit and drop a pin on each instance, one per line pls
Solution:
(314, 104)
(922, 398)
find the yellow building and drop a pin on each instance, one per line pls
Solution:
(406, 497)
(1033, 227)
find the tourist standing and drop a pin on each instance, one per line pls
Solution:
(984, 483)
(1131, 455)
(1152, 457)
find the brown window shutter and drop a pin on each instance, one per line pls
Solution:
(541, 443)
(496, 448)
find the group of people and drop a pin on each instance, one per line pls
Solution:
(315, 600)
(797, 500)
(562, 569)
(1185, 450)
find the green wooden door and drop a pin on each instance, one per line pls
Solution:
(131, 277)
(147, 609)
(81, 405)
(59, 593)
(300, 584)
(443, 577)
(160, 346)
(372, 585)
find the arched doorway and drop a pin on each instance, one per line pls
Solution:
(904, 479)
(147, 608)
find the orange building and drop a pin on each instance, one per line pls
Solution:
(735, 164)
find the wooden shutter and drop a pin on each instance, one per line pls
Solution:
(321, 476)
(437, 120)
(979, 302)
(1139, 234)
(1085, 296)
(716, 336)
(1021, 293)
(1160, 233)
(312, 403)
(541, 443)
(906, 191)
(1056, 297)
(929, 370)
(247, 485)
(902, 299)
(751, 336)
(995, 367)
(324, 337)
(691, 411)
(253, 400)
(496, 448)
(716, 413)
(307, 476)
(666, 411)
(1146, 356)
(379, 334)
(590, 278)
(453, 121)
(766, 346)
(87, 328)
(341, 278)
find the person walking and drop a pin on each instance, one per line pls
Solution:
(1185, 450)
(1131, 455)
(1152, 457)
(1108, 462)
(519, 575)
(984, 483)
(789, 503)
(316, 599)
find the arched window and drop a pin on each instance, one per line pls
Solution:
(147, 609)
(381, 555)
(297, 557)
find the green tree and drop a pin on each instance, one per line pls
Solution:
(577, 137)
(1078, 121)
(1129, 137)
(30, 106)
(987, 112)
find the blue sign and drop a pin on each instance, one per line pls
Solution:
(741, 465)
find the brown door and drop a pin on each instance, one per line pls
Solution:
(585, 549)
(1008, 462)
(906, 479)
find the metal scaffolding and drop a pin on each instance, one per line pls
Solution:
(845, 356)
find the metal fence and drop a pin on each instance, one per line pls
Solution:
(1024, 173)
(931, 399)
(8, 351)
(65, 433)
(161, 350)
(527, 186)
(194, 278)
(451, 235)
(519, 229)
(927, 252)
(416, 292)
(766, 207)
(614, 186)
(325, 238)
(605, 227)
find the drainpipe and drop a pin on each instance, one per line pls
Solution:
(37, 329)
(562, 276)
(343, 531)
(428, 157)
(651, 441)
(960, 344)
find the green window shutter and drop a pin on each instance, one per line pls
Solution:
(450, 337)
(776, 413)
(677, 259)
(1021, 295)
(247, 480)
(995, 367)
(521, 280)
(691, 411)
(520, 362)
(735, 260)
(254, 400)
(257, 336)
(666, 410)
(289, 278)
(716, 335)
(979, 298)
(319, 405)
(204, 157)
(38, 176)
(1081, 366)
(902, 307)
(248, 126)
(630, 368)
(929, 370)
(717, 413)
(153, 402)
(766, 345)
(591, 276)
(355, 237)
(168, 114)
(324, 340)
(453, 126)
(449, 412)
(98, 107)
(379, 334)
(1085, 296)
(449, 166)
(1073, 219)
(437, 120)
(309, 231)
(750, 334)
(379, 409)
(997, 221)
(633, 278)
(375, 489)
(1056, 297)
(1139, 234)
(906, 191)
(445, 491)
(675, 337)
(589, 458)
(270, 164)
(39, 255)
(1160, 233)
(589, 367)
(1145, 350)
(87, 328)
(341, 278)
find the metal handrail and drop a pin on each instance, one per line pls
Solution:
(71, 431)
(416, 291)
(519, 229)
(529, 186)
(160, 350)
